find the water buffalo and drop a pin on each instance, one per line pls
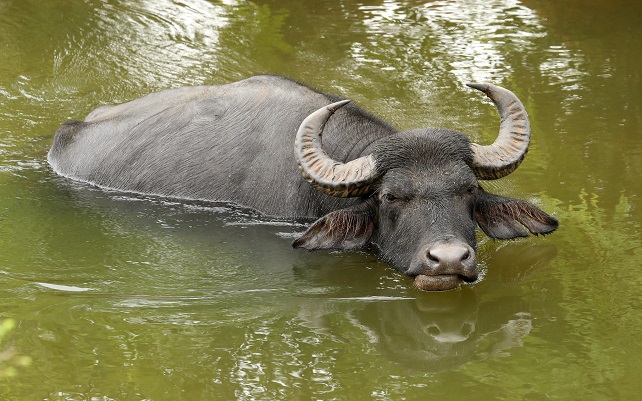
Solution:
(414, 194)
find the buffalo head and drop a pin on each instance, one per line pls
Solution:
(421, 196)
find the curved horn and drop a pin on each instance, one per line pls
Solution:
(509, 149)
(332, 177)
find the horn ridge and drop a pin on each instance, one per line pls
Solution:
(335, 178)
(509, 149)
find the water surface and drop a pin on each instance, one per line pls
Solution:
(117, 296)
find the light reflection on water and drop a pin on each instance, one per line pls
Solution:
(304, 329)
(122, 296)
(156, 44)
(473, 35)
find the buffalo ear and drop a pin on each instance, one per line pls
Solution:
(505, 218)
(346, 229)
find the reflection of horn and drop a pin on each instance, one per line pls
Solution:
(509, 149)
(349, 179)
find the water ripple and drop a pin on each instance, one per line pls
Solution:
(66, 288)
(469, 39)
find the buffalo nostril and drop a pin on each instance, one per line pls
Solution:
(433, 256)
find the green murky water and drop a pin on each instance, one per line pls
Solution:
(121, 297)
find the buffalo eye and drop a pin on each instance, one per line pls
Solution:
(388, 197)
(471, 189)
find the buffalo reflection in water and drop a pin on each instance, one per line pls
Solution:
(437, 332)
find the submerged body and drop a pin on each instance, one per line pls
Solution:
(224, 143)
(413, 194)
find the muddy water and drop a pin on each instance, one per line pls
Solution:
(114, 296)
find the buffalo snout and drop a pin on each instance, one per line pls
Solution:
(444, 265)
